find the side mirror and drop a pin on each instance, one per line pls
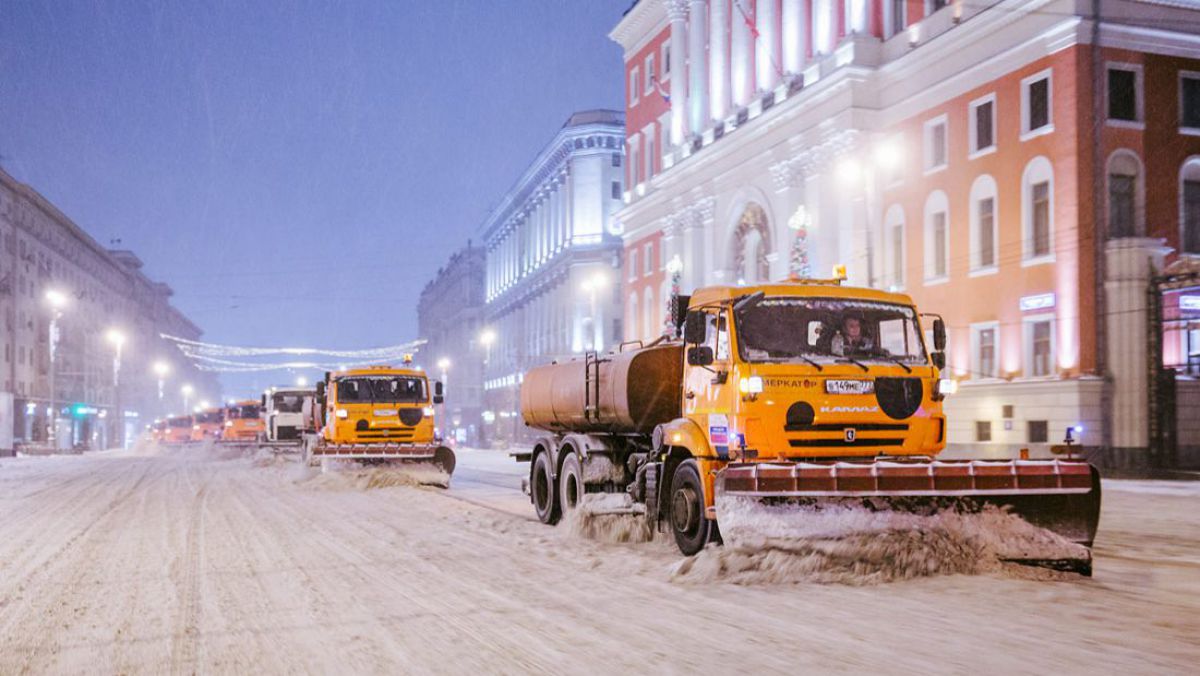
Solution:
(679, 311)
(321, 391)
(439, 393)
(939, 334)
(700, 355)
(695, 328)
(264, 401)
(939, 360)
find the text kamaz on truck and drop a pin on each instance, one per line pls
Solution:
(805, 390)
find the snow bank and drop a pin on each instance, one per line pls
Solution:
(341, 475)
(853, 545)
(608, 517)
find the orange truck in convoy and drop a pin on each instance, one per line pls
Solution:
(207, 424)
(178, 430)
(243, 422)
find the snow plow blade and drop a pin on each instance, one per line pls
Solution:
(440, 456)
(1062, 496)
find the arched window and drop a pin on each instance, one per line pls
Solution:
(651, 315)
(937, 237)
(893, 232)
(751, 244)
(984, 220)
(1126, 201)
(1189, 206)
(1037, 211)
(634, 327)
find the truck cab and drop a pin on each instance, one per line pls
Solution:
(243, 421)
(207, 424)
(288, 412)
(179, 430)
(378, 405)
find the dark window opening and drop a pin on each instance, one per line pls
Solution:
(1122, 95)
(1039, 431)
(983, 430)
(1039, 104)
(1120, 205)
(983, 126)
(1190, 101)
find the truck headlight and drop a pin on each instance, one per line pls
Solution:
(343, 413)
(428, 410)
(751, 385)
(229, 423)
(946, 387)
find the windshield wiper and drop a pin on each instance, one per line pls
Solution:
(852, 360)
(812, 363)
(892, 358)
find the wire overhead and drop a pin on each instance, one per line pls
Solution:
(233, 358)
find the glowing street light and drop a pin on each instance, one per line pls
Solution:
(487, 337)
(301, 381)
(57, 300)
(117, 340)
(186, 391)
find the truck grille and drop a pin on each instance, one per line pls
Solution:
(838, 436)
(385, 435)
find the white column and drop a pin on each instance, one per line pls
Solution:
(740, 44)
(857, 21)
(698, 66)
(767, 50)
(822, 26)
(677, 11)
(718, 54)
(794, 38)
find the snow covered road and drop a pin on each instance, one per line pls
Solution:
(185, 561)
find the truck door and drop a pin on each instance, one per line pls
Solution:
(707, 388)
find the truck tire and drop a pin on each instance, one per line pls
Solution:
(570, 483)
(686, 510)
(542, 490)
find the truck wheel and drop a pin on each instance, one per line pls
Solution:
(541, 489)
(444, 458)
(570, 483)
(692, 530)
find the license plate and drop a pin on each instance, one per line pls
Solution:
(849, 386)
(382, 412)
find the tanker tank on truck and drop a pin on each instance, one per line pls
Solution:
(800, 391)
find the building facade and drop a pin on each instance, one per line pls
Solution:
(553, 262)
(1019, 167)
(450, 319)
(68, 356)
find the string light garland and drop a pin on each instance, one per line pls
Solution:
(217, 358)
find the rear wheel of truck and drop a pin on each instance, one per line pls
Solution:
(692, 530)
(541, 488)
(570, 483)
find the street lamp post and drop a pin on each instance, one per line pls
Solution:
(57, 300)
(444, 365)
(486, 338)
(186, 391)
(161, 369)
(117, 340)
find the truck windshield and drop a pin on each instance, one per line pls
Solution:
(180, 422)
(243, 412)
(288, 403)
(208, 417)
(828, 330)
(386, 389)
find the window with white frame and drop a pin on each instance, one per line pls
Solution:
(985, 339)
(1039, 346)
(633, 263)
(1189, 206)
(1125, 202)
(894, 231)
(649, 64)
(666, 62)
(984, 233)
(982, 122)
(634, 324)
(1189, 101)
(937, 237)
(935, 144)
(651, 148)
(634, 82)
(648, 260)
(1123, 93)
(1037, 207)
(1037, 105)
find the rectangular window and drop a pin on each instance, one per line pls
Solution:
(1040, 348)
(616, 159)
(648, 259)
(983, 430)
(1039, 431)
(985, 352)
(634, 81)
(649, 74)
(899, 16)
(935, 144)
(633, 264)
(650, 151)
(1189, 101)
(666, 61)
(1122, 95)
(1040, 214)
(987, 232)
(1120, 205)
(983, 125)
(1037, 104)
(1191, 216)
(939, 244)
(616, 190)
(898, 255)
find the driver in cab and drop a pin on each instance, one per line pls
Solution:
(851, 338)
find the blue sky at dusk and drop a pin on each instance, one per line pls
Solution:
(295, 171)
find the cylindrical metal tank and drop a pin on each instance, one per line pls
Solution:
(626, 392)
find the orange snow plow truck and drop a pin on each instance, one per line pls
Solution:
(804, 392)
(378, 414)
